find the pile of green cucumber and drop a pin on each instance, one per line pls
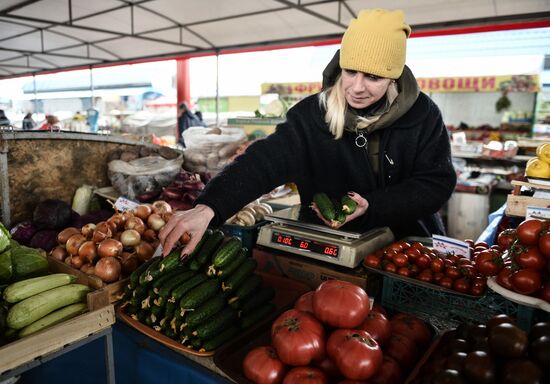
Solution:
(31, 305)
(334, 211)
(204, 300)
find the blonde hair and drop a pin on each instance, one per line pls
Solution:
(334, 102)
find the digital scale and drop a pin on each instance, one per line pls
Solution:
(298, 230)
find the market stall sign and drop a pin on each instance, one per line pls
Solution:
(291, 88)
(448, 245)
(508, 83)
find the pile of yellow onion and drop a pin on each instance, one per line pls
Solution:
(114, 248)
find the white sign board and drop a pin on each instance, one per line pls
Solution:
(537, 213)
(123, 204)
(448, 245)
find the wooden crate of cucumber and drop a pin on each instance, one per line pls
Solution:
(203, 301)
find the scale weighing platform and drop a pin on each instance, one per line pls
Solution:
(298, 230)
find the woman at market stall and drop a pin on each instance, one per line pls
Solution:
(370, 131)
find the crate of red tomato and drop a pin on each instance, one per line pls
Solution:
(450, 288)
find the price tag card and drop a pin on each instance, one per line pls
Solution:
(123, 204)
(537, 213)
(448, 245)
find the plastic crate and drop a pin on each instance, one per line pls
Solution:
(247, 233)
(446, 310)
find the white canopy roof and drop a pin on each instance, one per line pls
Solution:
(49, 35)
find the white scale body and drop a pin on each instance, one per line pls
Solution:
(317, 241)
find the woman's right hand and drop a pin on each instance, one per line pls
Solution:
(194, 222)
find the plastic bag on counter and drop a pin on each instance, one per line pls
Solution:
(143, 175)
(209, 150)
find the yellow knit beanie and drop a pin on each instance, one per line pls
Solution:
(375, 43)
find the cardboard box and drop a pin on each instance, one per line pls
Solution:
(310, 271)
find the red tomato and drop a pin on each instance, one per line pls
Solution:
(452, 272)
(414, 270)
(412, 327)
(477, 289)
(470, 242)
(489, 263)
(378, 308)
(467, 270)
(305, 302)
(389, 373)
(400, 259)
(372, 261)
(261, 365)
(437, 276)
(503, 278)
(423, 261)
(530, 257)
(417, 245)
(526, 281)
(481, 244)
(506, 238)
(437, 265)
(305, 375)
(425, 276)
(389, 254)
(340, 304)
(402, 349)
(404, 271)
(388, 266)
(378, 326)
(461, 285)
(412, 253)
(528, 231)
(446, 282)
(298, 338)
(404, 244)
(544, 293)
(544, 243)
(328, 366)
(397, 247)
(356, 354)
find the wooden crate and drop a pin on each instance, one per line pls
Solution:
(516, 204)
(103, 294)
(55, 338)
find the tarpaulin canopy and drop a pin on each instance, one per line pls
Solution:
(48, 35)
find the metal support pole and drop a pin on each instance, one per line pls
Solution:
(217, 88)
(109, 358)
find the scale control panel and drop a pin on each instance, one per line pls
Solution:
(334, 249)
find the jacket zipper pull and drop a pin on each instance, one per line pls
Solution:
(360, 140)
(390, 160)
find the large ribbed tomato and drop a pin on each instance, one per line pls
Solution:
(305, 375)
(378, 326)
(262, 366)
(305, 302)
(340, 304)
(356, 354)
(298, 337)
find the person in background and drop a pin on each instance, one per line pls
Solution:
(187, 119)
(52, 123)
(4, 119)
(28, 122)
(370, 133)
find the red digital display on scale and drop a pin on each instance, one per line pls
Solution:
(305, 244)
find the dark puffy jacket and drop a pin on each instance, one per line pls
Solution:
(416, 175)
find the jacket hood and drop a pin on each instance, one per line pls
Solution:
(406, 84)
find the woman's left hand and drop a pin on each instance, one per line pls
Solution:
(362, 206)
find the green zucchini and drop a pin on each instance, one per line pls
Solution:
(26, 288)
(227, 252)
(227, 270)
(201, 242)
(134, 276)
(143, 278)
(53, 318)
(213, 327)
(204, 312)
(35, 307)
(221, 338)
(325, 205)
(199, 295)
(257, 314)
(247, 289)
(207, 250)
(6, 267)
(348, 205)
(236, 279)
(181, 290)
(266, 293)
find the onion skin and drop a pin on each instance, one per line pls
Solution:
(130, 237)
(129, 263)
(88, 230)
(149, 235)
(102, 232)
(68, 260)
(88, 252)
(64, 235)
(108, 269)
(109, 248)
(77, 261)
(135, 223)
(155, 222)
(59, 253)
(144, 251)
(143, 211)
(88, 269)
(74, 242)
(161, 207)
